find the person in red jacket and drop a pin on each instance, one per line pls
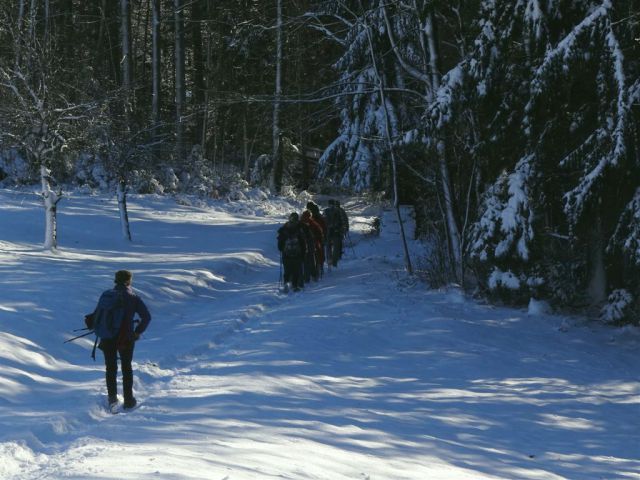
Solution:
(319, 219)
(316, 232)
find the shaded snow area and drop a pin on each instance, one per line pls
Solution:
(365, 375)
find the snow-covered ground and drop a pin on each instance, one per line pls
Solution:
(364, 375)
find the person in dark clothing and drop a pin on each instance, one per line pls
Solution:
(125, 341)
(344, 221)
(333, 220)
(293, 247)
(343, 217)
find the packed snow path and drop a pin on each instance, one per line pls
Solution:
(364, 375)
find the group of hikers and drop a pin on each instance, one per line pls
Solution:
(306, 241)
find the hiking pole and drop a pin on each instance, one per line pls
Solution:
(351, 244)
(80, 329)
(79, 336)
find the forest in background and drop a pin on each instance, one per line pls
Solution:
(511, 126)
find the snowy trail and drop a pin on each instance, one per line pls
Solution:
(364, 375)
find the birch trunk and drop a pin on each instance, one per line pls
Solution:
(122, 208)
(127, 83)
(452, 225)
(276, 172)
(51, 200)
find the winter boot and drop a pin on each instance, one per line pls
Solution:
(113, 403)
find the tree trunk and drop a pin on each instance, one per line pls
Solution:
(223, 133)
(452, 225)
(180, 79)
(20, 14)
(245, 146)
(597, 288)
(394, 163)
(278, 165)
(125, 44)
(198, 70)
(51, 200)
(18, 40)
(47, 25)
(108, 51)
(207, 87)
(277, 169)
(33, 14)
(141, 73)
(122, 208)
(155, 69)
(429, 42)
(65, 29)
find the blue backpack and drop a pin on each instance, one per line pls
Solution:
(108, 316)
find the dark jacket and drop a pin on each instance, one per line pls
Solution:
(133, 305)
(292, 230)
(345, 220)
(333, 219)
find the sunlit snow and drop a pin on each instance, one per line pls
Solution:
(366, 375)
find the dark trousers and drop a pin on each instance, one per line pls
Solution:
(334, 249)
(309, 267)
(293, 271)
(110, 351)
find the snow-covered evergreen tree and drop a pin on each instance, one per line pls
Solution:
(578, 125)
(406, 46)
(356, 157)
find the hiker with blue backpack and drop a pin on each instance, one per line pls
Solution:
(115, 329)
(293, 248)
